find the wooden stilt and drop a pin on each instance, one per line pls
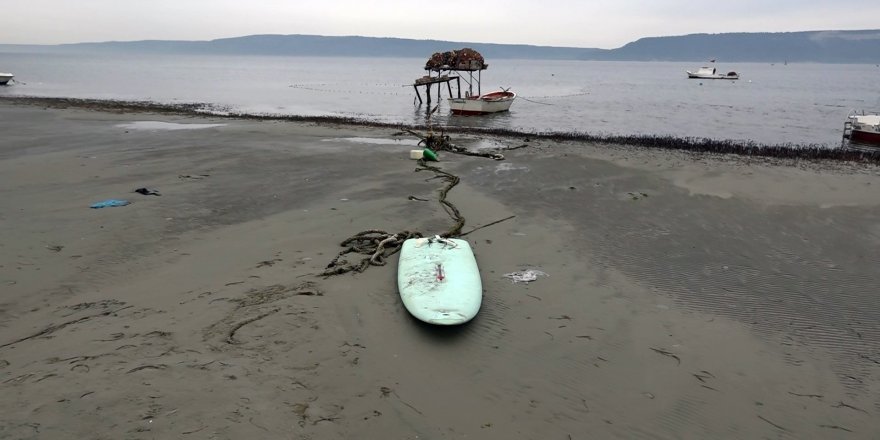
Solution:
(429, 82)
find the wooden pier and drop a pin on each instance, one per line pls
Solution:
(428, 81)
(444, 67)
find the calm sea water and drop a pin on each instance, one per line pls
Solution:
(772, 104)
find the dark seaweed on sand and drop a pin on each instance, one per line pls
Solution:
(691, 144)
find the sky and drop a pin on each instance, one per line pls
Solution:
(603, 24)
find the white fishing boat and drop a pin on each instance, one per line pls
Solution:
(492, 102)
(5, 78)
(711, 73)
(862, 127)
(465, 64)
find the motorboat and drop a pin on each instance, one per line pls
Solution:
(711, 73)
(492, 102)
(5, 78)
(862, 127)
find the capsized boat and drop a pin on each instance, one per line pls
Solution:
(711, 73)
(492, 102)
(862, 127)
(5, 78)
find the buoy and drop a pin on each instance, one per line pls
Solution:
(429, 155)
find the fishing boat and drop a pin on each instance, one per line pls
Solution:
(5, 78)
(492, 102)
(711, 73)
(467, 65)
(862, 127)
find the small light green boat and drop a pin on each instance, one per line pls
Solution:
(439, 281)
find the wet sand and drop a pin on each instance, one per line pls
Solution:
(687, 296)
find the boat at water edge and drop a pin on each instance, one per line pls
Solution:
(862, 127)
(5, 78)
(463, 62)
(492, 102)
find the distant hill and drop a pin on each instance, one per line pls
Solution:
(813, 46)
(315, 45)
(810, 46)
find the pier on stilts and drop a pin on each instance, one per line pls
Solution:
(444, 67)
(444, 63)
(428, 82)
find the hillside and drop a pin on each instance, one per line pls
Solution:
(810, 46)
(816, 46)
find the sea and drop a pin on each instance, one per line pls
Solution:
(790, 104)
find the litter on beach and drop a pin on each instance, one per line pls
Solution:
(148, 192)
(525, 276)
(110, 203)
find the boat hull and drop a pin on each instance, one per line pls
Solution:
(865, 134)
(692, 75)
(5, 78)
(865, 137)
(494, 102)
(863, 128)
(711, 73)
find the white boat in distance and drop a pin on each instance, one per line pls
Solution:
(5, 78)
(492, 102)
(711, 73)
(862, 128)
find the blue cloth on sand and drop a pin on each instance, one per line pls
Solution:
(109, 203)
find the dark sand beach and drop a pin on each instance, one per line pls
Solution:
(687, 295)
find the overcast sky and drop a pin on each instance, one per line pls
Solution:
(577, 23)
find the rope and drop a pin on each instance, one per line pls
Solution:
(536, 102)
(377, 245)
(325, 88)
(551, 97)
(441, 143)
(451, 210)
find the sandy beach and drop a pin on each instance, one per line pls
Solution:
(687, 296)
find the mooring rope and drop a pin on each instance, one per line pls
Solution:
(327, 88)
(536, 102)
(441, 143)
(532, 99)
(377, 245)
(451, 181)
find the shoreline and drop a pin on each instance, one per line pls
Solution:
(688, 295)
(811, 152)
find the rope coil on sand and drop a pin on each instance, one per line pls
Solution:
(378, 245)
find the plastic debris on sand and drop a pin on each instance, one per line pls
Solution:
(525, 276)
(110, 203)
(147, 192)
